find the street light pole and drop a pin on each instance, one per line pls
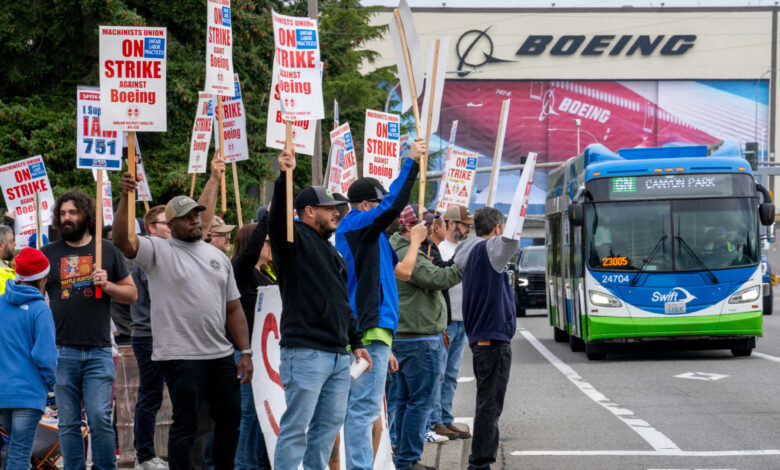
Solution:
(578, 123)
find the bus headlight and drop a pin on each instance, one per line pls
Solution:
(604, 300)
(522, 281)
(748, 295)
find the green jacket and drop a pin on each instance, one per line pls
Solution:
(421, 307)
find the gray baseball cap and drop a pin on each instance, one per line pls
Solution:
(180, 206)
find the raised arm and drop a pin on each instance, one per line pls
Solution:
(403, 270)
(431, 277)
(500, 251)
(119, 230)
(209, 196)
(277, 225)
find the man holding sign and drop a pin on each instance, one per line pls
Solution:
(373, 294)
(85, 369)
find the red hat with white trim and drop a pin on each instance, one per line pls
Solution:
(31, 265)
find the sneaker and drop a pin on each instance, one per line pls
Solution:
(155, 463)
(445, 431)
(431, 436)
(461, 429)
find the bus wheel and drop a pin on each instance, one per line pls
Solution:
(595, 352)
(576, 344)
(741, 352)
(559, 335)
(768, 302)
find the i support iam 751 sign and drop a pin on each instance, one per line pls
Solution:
(132, 78)
(95, 147)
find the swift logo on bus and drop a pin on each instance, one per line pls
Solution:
(678, 294)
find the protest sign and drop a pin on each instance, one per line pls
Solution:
(343, 158)
(108, 201)
(434, 83)
(408, 57)
(298, 67)
(335, 114)
(303, 131)
(234, 126)
(132, 78)
(219, 48)
(267, 389)
(514, 222)
(447, 159)
(20, 181)
(143, 192)
(499, 150)
(456, 189)
(381, 149)
(201, 134)
(95, 147)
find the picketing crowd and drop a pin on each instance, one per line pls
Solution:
(365, 284)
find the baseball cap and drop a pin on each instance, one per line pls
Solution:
(366, 189)
(316, 196)
(409, 214)
(180, 206)
(218, 225)
(31, 265)
(458, 214)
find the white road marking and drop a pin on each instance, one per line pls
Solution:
(465, 379)
(767, 356)
(647, 453)
(701, 376)
(655, 438)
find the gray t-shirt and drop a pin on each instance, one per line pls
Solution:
(189, 286)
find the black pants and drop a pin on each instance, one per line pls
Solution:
(190, 383)
(150, 395)
(491, 369)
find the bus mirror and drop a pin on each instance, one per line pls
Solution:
(576, 214)
(766, 213)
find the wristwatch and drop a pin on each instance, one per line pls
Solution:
(246, 351)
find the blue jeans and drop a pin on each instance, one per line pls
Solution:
(442, 411)
(316, 389)
(413, 394)
(365, 405)
(85, 375)
(250, 453)
(21, 425)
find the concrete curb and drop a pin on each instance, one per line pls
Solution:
(451, 455)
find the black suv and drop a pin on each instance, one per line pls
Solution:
(528, 279)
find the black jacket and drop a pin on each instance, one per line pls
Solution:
(313, 282)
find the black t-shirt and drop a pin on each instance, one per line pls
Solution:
(81, 319)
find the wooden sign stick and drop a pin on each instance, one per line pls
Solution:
(38, 226)
(238, 197)
(424, 159)
(223, 187)
(288, 184)
(146, 206)
(409, 74)
(99, 215)
(192, 185)
(130, 195)
(494, 169)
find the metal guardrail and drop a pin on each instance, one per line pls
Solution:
(486, 169)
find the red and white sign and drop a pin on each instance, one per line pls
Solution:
(514, 221)
(267, 386)
(201, 135)
(343, 170)
(459, 180)
(219, 48)
(20, 181)
(142, 192)
(108, 201)
(298, 59)
(303, 131)
(447, 159)
(233, 126)
(95, 147)
(381, 146)
(132, 79)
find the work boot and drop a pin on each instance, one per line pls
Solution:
(461, 429)
(445, 431)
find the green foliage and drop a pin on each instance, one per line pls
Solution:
(49, 47)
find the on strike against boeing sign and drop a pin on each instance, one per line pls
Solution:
(20, 181)
(298, 59)
(132, 79)
(219, 48)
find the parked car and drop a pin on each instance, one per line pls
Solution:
(768, 280)
(528, 279)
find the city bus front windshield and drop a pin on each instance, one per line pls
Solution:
(676, 235)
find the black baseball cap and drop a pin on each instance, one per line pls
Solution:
(366, 189)
(316, 196)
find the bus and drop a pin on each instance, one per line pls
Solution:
(655, 245)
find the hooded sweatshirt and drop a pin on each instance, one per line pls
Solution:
(28, 353)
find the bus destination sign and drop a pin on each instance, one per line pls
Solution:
(678, 185)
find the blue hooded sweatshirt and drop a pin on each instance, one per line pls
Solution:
(28, 353)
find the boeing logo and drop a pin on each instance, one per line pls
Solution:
(470, 45)
(678, 294)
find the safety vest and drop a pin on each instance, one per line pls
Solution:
(729, 247)
(6, 273)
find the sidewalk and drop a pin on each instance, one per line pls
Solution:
(451, 455)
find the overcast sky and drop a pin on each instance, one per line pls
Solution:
(572, 3)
